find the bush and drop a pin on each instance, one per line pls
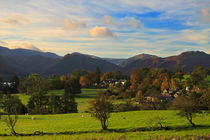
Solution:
(123, 107)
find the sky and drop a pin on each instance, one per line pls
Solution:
(106, 28)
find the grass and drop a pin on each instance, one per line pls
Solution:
(82, 99)
(132, 125)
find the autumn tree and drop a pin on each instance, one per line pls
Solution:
(88, 79)
(165, 83)
(205, 100)
(137, 76)
(139, 96)
(106, 75)
(117, 75)
(188, 107)
(100, 108)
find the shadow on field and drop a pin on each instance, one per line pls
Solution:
(123, 130)
(84, 96)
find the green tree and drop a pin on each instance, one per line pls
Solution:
(14, 84)
(35, 83)
(54, 104)
(37, 103)
(22, 88)
(74, 86)
(98, 75)
(54, 82)
(197, 76)
(1, 84)
(101, 108)
(12, 105)
(68, 103)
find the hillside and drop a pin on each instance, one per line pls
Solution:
(6, 70)
(22, 61)
(115, 61)
(24, 52)
(139, 57)
(79, 61)
(185, 61)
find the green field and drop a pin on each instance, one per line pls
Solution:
(132, 125)
(82, 99)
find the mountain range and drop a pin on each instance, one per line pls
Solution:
(24, 62)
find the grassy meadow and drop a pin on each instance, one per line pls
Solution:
(129, 125)
(81, 99)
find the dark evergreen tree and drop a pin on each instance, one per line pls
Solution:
(73, 86)
(14, 84)
(54, 104)
(54, 82)
(1, 84)
(98, 75)
(69, 105)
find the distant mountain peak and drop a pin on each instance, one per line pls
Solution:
(26, 52)
(142, 56)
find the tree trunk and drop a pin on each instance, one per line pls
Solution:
(189, 118)
(13, 131)
(103, 124)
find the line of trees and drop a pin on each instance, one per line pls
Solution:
(143, 91)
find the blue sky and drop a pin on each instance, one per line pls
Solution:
(118, 29)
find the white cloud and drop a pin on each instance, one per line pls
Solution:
(47, 24)
(100, 32)
(3, 43)
(107, 20)
(15, 19)
(19, 44)
(71, 25)
(133, 23)
(205, 14)
(29, 46)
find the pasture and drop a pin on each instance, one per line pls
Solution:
(82, 99)
(131, 125)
